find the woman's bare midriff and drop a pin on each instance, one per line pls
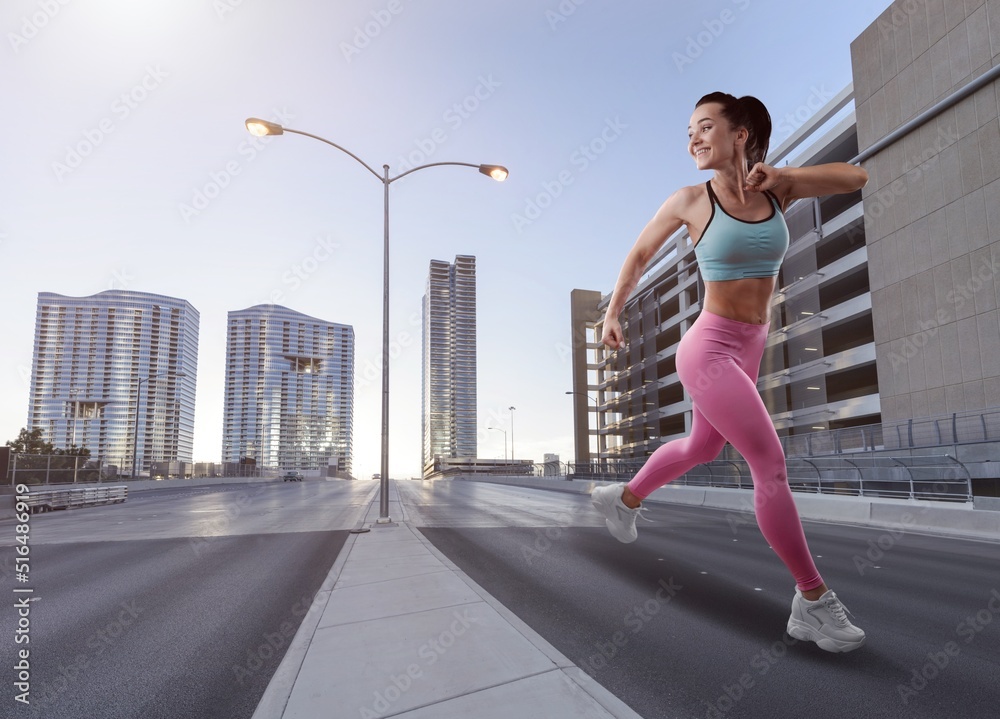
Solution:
(747, 300)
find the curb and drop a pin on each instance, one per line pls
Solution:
(578, 678)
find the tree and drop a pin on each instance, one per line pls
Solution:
(33, 442)
(74, 451)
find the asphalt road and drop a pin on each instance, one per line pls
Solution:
(178, 603)
(689, 621)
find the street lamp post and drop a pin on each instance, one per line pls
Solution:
(597, 420)
(499, 173)
(504, 441)
(512, 432)
(138, 394)
(76, 413)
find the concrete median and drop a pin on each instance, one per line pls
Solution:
(959, 519)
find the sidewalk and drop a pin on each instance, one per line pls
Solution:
(397, 630)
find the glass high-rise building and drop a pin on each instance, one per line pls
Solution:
(448, 396)
(289, 390)
(108, 364)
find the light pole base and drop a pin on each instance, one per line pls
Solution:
(384, 521)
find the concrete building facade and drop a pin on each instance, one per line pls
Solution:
(932, 205)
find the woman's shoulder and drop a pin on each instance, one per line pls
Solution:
(685, 206)
(693, 192)
(689, 196)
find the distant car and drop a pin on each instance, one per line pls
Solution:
(292, 477)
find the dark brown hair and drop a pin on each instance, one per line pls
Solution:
(747, 112)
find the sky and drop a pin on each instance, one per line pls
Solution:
(125, 163)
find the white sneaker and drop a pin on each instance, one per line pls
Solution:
(620, 519)
(825, 622)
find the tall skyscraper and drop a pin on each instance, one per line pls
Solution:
(109, 363)
(289, 390)
(448, 396)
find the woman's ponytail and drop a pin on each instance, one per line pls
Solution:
(750, 113)
(757, 120)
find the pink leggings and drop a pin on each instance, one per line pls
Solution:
(718, 360)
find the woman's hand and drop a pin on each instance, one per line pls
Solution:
(763, 177)
(612, 335)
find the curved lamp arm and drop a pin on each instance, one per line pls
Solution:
(342, 149)
(258, 127)
(497, 172)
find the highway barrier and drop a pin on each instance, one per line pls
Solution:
(48, 499)
(959, 519)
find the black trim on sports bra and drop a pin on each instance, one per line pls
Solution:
(775, 198)
(715, 201)
(710, 217)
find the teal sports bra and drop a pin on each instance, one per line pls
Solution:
(732, 249)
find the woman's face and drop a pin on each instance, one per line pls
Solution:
(711, 141)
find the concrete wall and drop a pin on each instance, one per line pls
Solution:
(953, 519)
(932, 205)
(583, 315)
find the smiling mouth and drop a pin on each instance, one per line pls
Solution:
(699, 153)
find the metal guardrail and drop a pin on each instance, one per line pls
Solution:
(939, 477)
(867, 460)
(944, 431)
(948, 430)
(47, 500)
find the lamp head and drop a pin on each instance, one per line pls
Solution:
(497, 172)
(258, 127)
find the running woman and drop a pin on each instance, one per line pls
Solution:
(737, 223)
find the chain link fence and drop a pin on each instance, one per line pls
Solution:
(59, 469)
(31, 469)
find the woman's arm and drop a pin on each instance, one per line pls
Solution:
(794, 183)
(665, 222)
